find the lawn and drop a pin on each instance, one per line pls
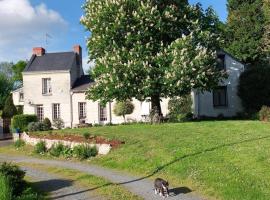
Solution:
(226, 160)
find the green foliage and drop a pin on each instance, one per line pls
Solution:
(15, 177)
(57, 149)
(9, 108)
(35, 126)
(47, 124)
(19, 143)
(150, 49)
(21, 121)
(180, 108)
(84, 151)
(254, 88)
(245, 29)
(19, 110)
(58, 123)
(123, 108)
(29, 194)
(86, 135)
(264, 114)
(18, 69)
(40, 147)
(5, 188)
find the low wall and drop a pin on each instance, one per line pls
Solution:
(103, 149)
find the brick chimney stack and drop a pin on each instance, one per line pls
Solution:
(78, 50)
(39, 51)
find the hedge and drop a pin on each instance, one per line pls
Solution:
(21, 121)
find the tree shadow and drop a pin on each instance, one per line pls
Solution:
(52, 185)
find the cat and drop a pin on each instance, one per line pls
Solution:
(161, 187)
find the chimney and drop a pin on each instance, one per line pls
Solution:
(78, 50)
(39, 51)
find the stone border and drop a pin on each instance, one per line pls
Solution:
(103, 149)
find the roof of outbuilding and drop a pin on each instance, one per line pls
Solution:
(82, 84)
(51, 62)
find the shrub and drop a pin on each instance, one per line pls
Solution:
(47, 124)
(57, 149)
(29, 194)
(84, 151)
(9, 108)
(36, 126)
(180, 108)
(254, 88)
(86, 135)
(58, 123)
(19, 110)
(264, 114)
(15, 177)
(123, 108)
(40, 147)
(19, 143)
(5, 188)
(21, 121)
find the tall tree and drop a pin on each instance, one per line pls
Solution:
(245, 29)
(18, 69)
(266, 35)
(6, 68)
(6, 85)
(9, 108)
(150, 49)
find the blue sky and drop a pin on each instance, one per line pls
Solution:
(29, 20)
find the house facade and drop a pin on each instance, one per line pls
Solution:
(54, 87)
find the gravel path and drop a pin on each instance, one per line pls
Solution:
(142, 187)
(57, 187)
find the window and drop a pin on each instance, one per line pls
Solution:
(221, 62)
(220, 96)
(82, 110)
(40, 112)
(46, 86)
(102, 113)
(56, 111)
(21, 97)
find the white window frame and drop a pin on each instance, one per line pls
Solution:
(82, 110)
(102, 110)
(46, 86)
(56, 113)
(40, 112)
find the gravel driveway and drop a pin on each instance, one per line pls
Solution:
(140, 186)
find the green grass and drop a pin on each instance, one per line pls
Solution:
(5, 189)
(226, 160)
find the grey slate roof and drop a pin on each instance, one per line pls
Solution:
(82, 84)
(51, 62)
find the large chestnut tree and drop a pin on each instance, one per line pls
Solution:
(150, 49)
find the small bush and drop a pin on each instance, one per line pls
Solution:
(21, 121)
(264, 114)
(58, 123)
(36, 126)
(84, 151)
(57, 149)
(180, 109)
(40, 147)
(19, 143)
(86, 136)
(29, 194)
(19, 110)
(9, 108)
(15, 177)
(5, 188)
(47, 124)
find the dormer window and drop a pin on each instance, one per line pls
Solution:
(221, 62)
(21, 97)
(46, 86)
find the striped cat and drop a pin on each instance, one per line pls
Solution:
(161, 187)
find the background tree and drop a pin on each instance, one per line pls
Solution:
(150, 49)
(266, 35)
(123, 108)
(6, 69)
(17, 71)
(6, 86)
(9, 109)
(245, 29)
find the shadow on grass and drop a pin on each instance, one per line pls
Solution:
(52, 185)
(175, 191)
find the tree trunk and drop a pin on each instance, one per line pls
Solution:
(156, 113)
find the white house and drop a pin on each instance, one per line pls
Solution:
(54, 86)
